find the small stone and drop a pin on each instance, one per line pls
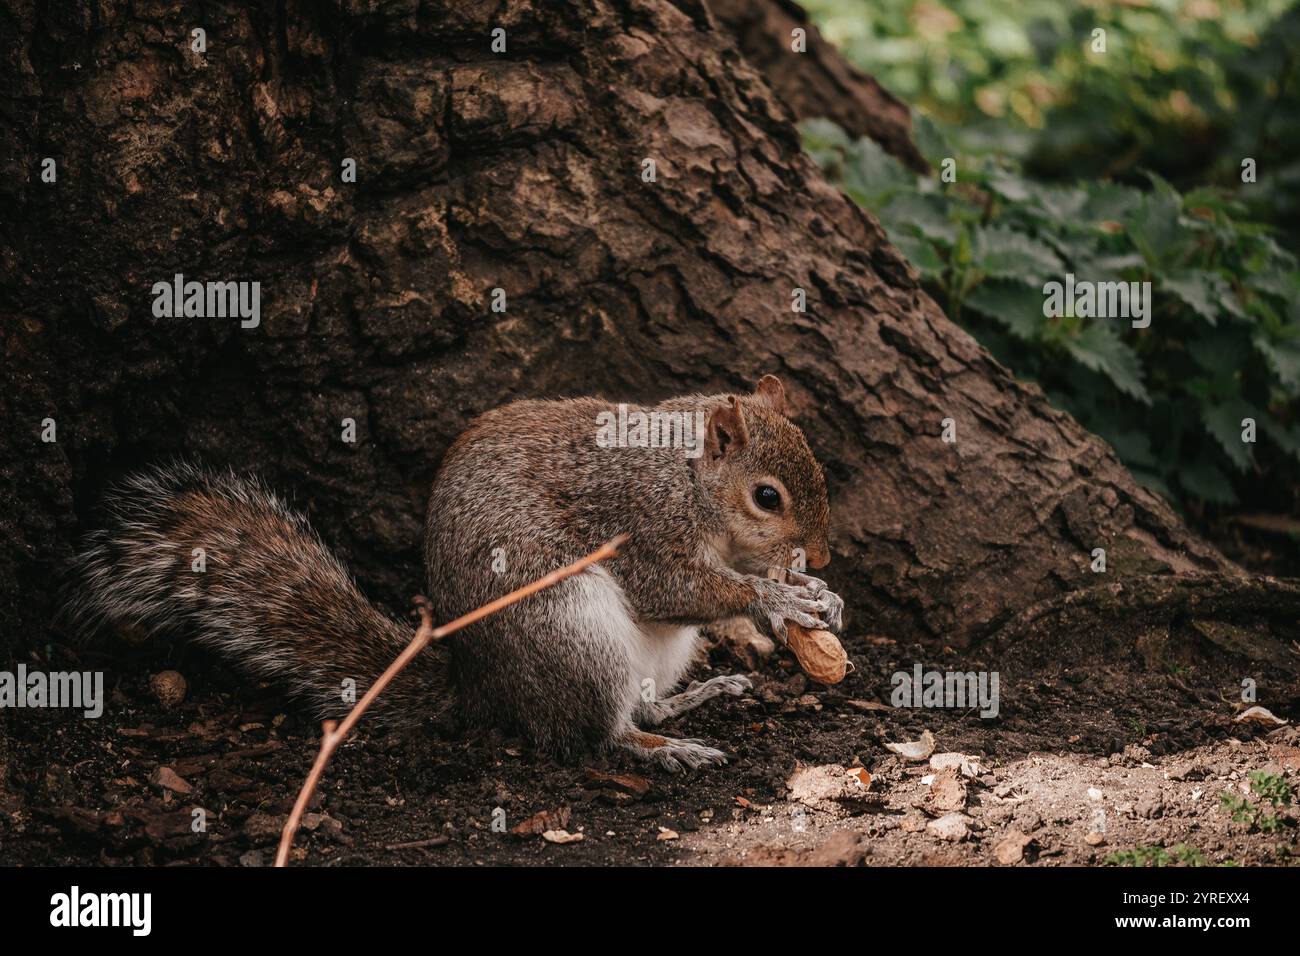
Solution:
(948, 792)
(1095, 839)
(1150, 807)
(1011, 849)
(953, 827)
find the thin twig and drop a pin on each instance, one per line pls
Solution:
(420, 844)
(333, 733)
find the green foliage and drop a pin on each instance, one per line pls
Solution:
(1185, 87)
(1223, 342)
(1178, 855)
(1271, 789)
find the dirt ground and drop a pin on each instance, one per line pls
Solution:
(1098, 751)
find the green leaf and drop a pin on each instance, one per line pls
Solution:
(930, 139)
(1222, 351)
(1111, 203)
(1204, 480)
(1098, 347)
(1010, 186)
(1133, 447)
(872, 176)
(1199, 291)
(1156, 229)
(1223, 421)
(824, 141)
(1284, 285)
(1283, 357)
(1286, 438)
(919, 252)
(1015, 305)
(1005, 254)
(927, 214)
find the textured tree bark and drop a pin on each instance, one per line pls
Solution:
(520, 171)
(818, 82)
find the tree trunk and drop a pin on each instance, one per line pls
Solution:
(520, 171)
(818, 82)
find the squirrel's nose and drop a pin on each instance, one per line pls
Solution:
(818, 556)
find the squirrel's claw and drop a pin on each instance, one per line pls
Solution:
(812, 585)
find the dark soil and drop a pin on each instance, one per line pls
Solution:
(1152, 728)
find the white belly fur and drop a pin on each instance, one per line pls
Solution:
(658, 652)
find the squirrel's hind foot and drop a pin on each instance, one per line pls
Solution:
(674, 755)
(656, 712)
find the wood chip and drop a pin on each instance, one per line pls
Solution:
(541, 822)
(627, 782)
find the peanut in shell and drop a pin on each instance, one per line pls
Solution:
(820, 653)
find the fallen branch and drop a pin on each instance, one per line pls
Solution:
(333, 733)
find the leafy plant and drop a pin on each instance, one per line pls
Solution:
(1271, 789)
(1179, 855)
(1184, 87)
(1175, 398)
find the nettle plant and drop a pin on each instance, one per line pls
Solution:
(1223, 343)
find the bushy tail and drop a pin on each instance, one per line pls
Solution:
(221, 559)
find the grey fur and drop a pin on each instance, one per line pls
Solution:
(574, 666)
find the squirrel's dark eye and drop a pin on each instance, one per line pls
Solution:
(767, 497)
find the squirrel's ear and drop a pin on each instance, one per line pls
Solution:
(726, 433)
(771, 393)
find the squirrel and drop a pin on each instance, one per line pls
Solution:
(221, 559)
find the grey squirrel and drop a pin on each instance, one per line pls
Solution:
(525, 489)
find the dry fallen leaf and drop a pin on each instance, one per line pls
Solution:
(915, 749)
(969, 766)
(831, 788)
(561, 836)
(629, 782)
(1260, 715)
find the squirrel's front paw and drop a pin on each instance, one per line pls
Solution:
(833, 612)
(778, 602)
